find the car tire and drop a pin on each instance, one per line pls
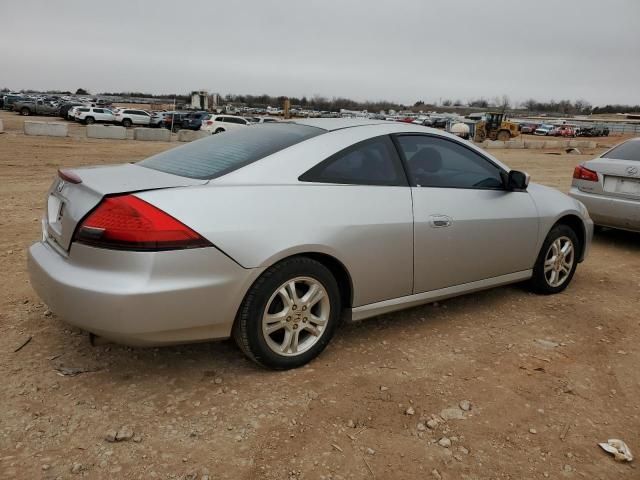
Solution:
(219, 130)
(126, 123)
(25, 111)
(552, 273)
(272, 328)
(89, 120)
(504, 136)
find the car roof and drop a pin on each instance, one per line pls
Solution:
(331, 124)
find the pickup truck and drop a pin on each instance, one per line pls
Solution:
(36, 107)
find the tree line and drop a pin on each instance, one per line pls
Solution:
(318, 102)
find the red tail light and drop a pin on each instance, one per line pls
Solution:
(209, 122)
(129, 223)
(583, 173)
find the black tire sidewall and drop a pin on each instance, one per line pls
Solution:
(538, 280)
(249, 324)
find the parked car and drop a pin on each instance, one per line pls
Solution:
(543, 129)
(439, 122)
(9, 99)
(157, 119)
(128, 117)
(609, 186)
(255, 120)
(222, 123)
(35, 107)
(173, 120)
(65, 107)
(562, 131)
(528, 127)
(89, 115)
(594, 131)
(198, 242)
(193, 120)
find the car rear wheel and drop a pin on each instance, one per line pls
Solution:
(219, 130)
(25, 111)
(126, 122)
(289, 314)
(89, 120)
(557, 261)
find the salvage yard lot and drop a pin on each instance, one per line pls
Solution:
(547, 377)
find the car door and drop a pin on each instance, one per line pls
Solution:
(371, 226)
(467, 227)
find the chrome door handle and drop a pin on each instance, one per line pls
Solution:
(439, 221)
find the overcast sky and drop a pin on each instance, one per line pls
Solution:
(403, 51)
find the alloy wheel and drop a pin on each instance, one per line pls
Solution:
(296, 316)
(558, 261)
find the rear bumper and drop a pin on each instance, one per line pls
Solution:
(142, 298)
(610, 212)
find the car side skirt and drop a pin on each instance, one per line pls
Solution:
(386, 306)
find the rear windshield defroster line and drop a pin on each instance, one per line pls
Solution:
(220, 154)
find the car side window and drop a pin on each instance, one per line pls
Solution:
(98, 110)
(439, 162)
(371, 162)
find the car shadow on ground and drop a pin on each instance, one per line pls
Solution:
(618, 238)
(213, 358)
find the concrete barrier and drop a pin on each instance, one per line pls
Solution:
(1, 127)
(533, 144)
(514, 144)
(551, 144)
(491, 144)
(152, 134)
(191, 135)
(586, 144)
(106, 131)
(51, 129)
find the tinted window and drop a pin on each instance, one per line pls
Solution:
(372, 162)
(98, 110)
(627, 151)
(83, 110)
(236, 120)
(220, 119)
(438, 162)
(217, 155)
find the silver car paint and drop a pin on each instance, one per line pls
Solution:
(262, 213)
(607, 208)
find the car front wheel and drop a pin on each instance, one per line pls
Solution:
(289, 315)
(557, 261)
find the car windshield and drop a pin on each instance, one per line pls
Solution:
(627, 151)
(218, 155)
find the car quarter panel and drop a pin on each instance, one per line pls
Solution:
(142, 298)
(368, 229)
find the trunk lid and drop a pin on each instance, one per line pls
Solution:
(68, 202)
(616, 178)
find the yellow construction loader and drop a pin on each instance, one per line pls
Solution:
(494, 126)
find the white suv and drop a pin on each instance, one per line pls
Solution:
(222, 123)
(128, 117)
(91, 115)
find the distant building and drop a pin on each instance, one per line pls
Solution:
(200, 100)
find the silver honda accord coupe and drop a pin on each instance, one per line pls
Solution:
(273, 234)
(609, 186)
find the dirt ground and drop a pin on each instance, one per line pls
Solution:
(547, 377)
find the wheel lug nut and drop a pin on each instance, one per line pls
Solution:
(304, 307)
(295, 307)
(304, 319)
(288, 319)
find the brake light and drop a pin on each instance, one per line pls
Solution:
(129, 223)
(583, 173)
(209, 122)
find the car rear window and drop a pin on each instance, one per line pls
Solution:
(629, 150)
(220, 154)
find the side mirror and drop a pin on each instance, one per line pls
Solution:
(516, 180)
